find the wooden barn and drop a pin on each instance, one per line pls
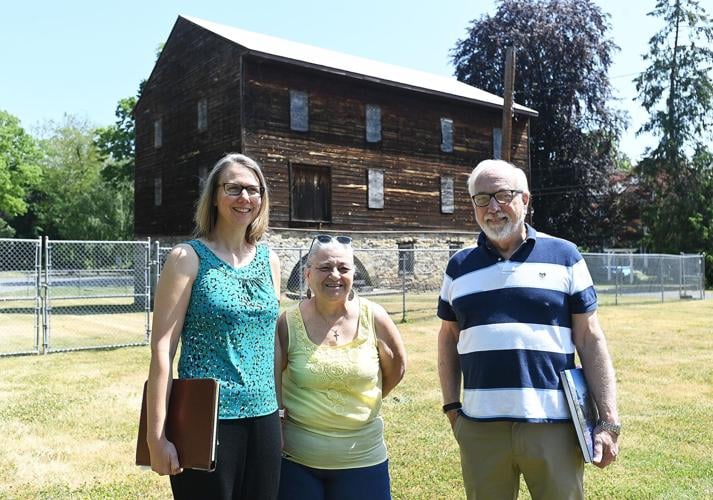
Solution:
(347, 144)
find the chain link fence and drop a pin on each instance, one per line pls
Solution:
(98, 294)
(626, 278)
(69, 295)
(20, 296)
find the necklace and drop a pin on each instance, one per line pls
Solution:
(331, 330)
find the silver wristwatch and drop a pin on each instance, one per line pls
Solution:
(608, 426)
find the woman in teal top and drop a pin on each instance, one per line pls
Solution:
(218, 294)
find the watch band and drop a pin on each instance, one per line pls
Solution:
(456, 405)
(608, 426)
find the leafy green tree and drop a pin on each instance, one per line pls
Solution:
(116, 144)
(677, 91)
(75, 201)
(19, 170)
(563, 57)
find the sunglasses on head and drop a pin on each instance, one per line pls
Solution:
(326, 238)
(323, 239)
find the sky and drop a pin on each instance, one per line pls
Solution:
(80, 57)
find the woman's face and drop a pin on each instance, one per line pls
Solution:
(330, 274)
(237, 197)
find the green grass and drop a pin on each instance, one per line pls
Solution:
(69, 420)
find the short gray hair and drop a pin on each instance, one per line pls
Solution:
(318, 245)
(502, 166)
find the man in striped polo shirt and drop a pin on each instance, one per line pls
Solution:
(514, 309)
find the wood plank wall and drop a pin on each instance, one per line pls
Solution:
(194, 64)
(409, 152)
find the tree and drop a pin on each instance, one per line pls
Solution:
(19, 171)
(677, 91)
(677, 87)
(563, 57)
(75, 201)
(116, 144)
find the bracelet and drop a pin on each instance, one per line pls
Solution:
(609, 426)
(281, 412)
(452, 406)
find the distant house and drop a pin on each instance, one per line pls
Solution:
(347, 144)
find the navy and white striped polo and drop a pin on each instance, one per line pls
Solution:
(515, 319)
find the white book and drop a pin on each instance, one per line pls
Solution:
(582, 409)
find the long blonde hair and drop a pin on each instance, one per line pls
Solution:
(207, 212)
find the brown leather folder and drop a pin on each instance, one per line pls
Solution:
(191, 423)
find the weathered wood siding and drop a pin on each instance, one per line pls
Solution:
(194, 64)
(409, 152)
(248, 111)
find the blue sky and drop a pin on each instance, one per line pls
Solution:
(80, 57)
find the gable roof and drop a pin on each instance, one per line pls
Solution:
(356, 67)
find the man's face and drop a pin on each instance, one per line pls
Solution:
(500, 222)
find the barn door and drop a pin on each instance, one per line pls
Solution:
(311, 193)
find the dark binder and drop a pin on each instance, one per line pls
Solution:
(191, 423)
(582, 408)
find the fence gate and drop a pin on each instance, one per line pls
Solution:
(20, 301)
(97, 294)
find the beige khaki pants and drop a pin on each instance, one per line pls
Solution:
(494, 454)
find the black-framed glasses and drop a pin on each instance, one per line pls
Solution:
(328, 238)
(503, 197)
(234, 189)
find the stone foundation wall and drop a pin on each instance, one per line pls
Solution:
(376, 253)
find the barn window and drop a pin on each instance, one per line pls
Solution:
(406, 257)
(202, 114)
(373, 123)
(375, 188)
(311, 193)
(157, 191)
(299, 111)
(447, 194)
(158, 133)
(446, 135)
(497, 143)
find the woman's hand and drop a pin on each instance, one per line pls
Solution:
(164, 458)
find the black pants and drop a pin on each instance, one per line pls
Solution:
(247, 466)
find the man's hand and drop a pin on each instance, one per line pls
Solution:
(606, 447)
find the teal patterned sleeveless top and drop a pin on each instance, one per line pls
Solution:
(229, 332)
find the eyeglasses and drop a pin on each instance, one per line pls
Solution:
(503, 197)
(233, 189)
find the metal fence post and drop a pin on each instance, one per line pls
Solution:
(300, 274)
(402, 260)
(39, 304)
(702, 268)
(661, 258)
(46, 298)
(147, 287)
(617, 274)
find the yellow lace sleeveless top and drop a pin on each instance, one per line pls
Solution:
(333, 397)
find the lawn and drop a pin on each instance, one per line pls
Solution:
(69, 419)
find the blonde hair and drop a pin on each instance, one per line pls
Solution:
(207, 212)
(502, 166)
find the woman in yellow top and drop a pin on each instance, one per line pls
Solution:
(339, 355)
